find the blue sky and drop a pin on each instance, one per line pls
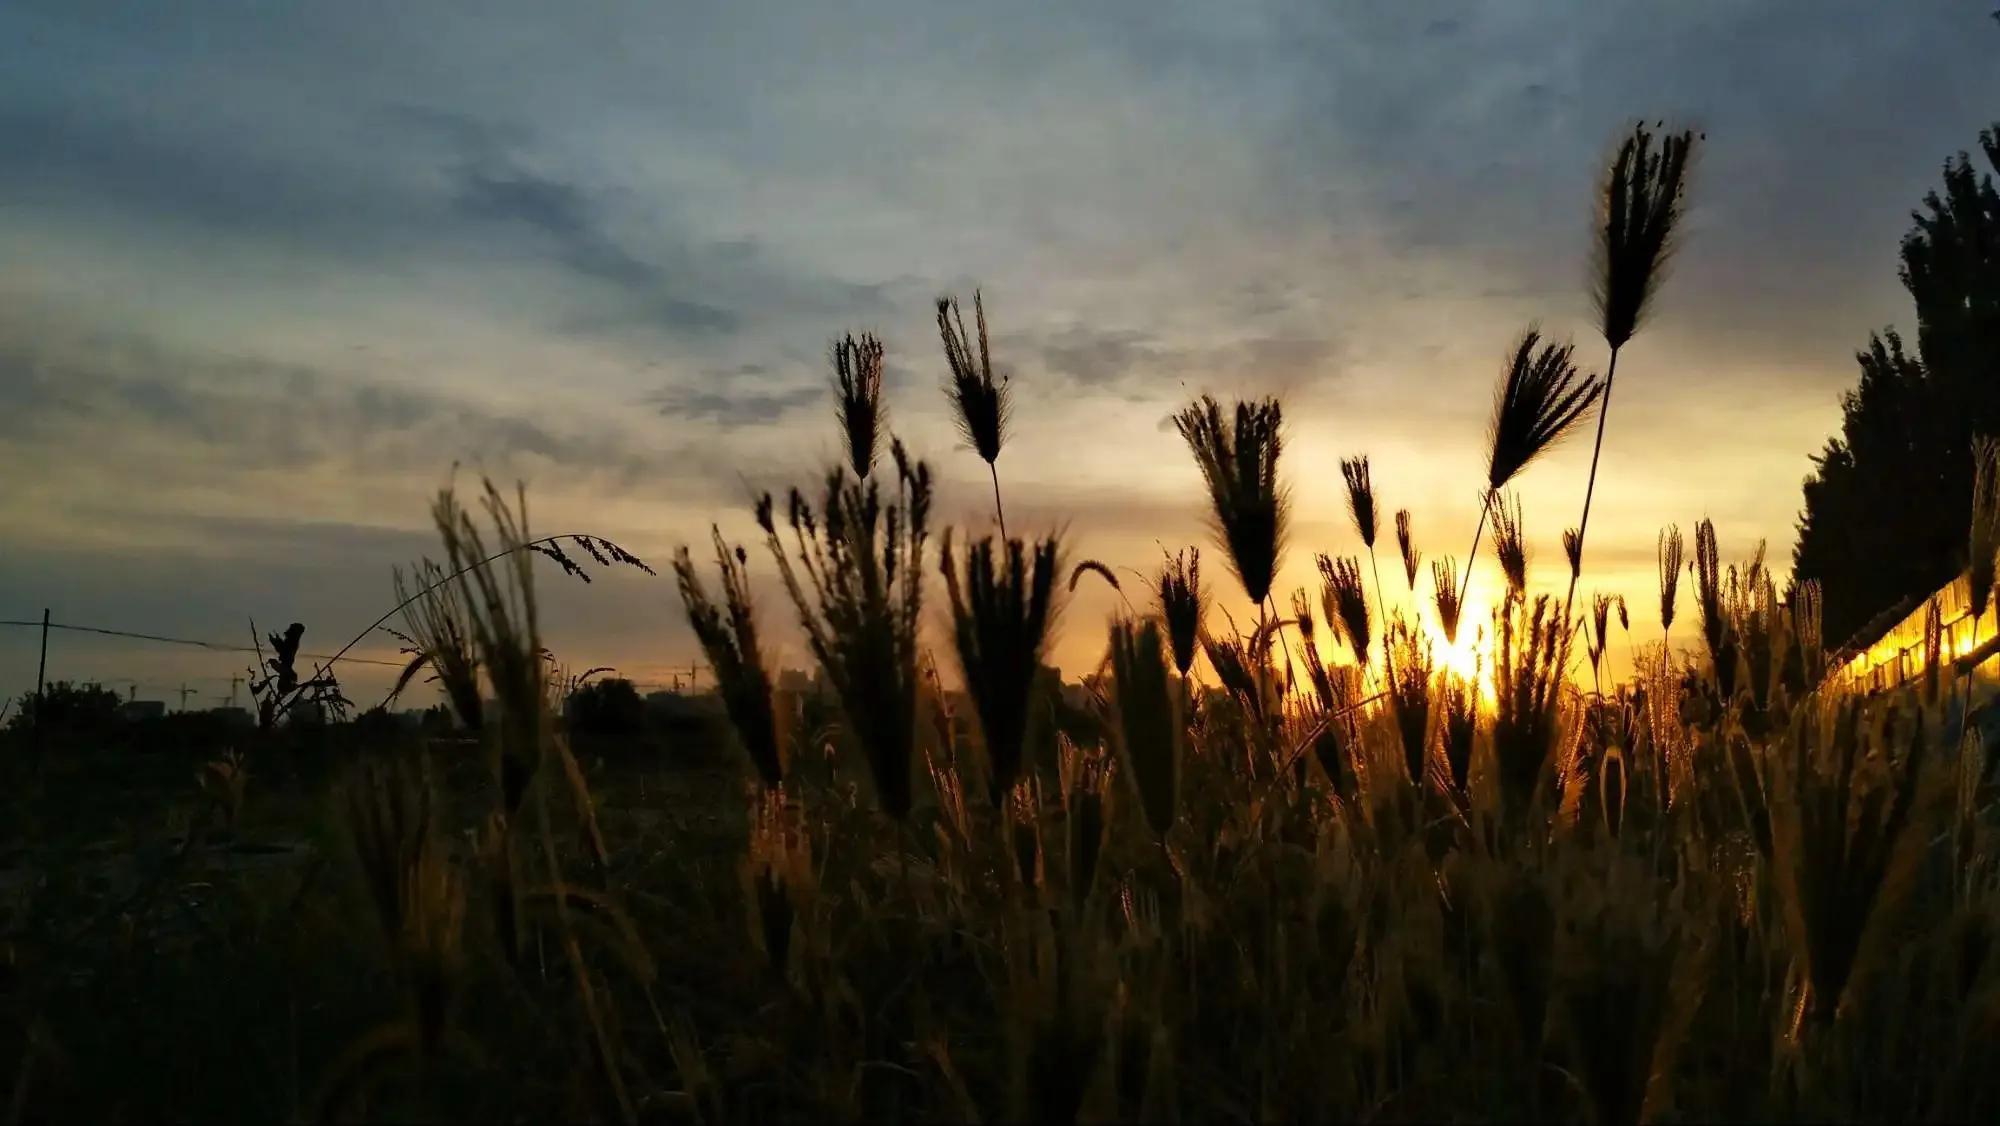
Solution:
(271, 269)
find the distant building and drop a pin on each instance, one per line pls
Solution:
(133, 710)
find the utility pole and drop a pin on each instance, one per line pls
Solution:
(41, 687)
(185, 693)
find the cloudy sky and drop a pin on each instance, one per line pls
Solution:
(271, 269)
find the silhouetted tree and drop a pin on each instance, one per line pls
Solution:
(1888, 506)
(609, 708)
(76, 709)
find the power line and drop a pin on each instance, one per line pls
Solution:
(213, 646)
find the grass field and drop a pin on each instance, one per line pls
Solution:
(1274, 858)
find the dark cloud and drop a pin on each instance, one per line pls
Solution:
(246, 412)
(577, 230)
(1099, 358)
(731, 407)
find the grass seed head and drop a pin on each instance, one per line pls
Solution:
(1002, 611)
(1407, 545)
(1510, 543)
(728, 637)
(857, 390)
(1183, 604)
(1640, 205)
(1541, 399)
(1239, 464)
(1360, 498)
(1149, 721)
(1671, 548)
(980, 404)
(1343, 595)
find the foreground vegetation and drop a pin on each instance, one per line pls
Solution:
(1301, 870)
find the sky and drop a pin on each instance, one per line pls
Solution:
(272, 269)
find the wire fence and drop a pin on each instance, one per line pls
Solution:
(695, 678)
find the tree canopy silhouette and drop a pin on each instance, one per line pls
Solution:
(1887, 508)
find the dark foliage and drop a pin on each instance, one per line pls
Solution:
(1884, 516)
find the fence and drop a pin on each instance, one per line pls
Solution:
(692, 681)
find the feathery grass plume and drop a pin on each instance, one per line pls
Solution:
(1573, 552)
(1458, 719)
(1360, 497)
(1183, 603)
(1640, 204)
(728, 637)
(1805, 607)
(1149, 723)
(1510, 543)
(1406, 669)
(1707, 571)
(1612, 784)
(1530, 660)
(1316, 669)
(1302, 616)
(1361, 506)
(417, 896)
(441, 630)
(1094, 567)
(1022, 804)
(1342, 595)
(500, 602)
(1671, 549)
(1541, 398)
(1445, 591)
(1842, 853)
(1600, 630)
(1239, 463)
(1408, 547)
(1085, 787)
(980, 405)
(860, 604)
(1985, 537)
(1639, 208)
(1624, 617)
(1001, 611)
(857, 390)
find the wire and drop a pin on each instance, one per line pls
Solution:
(214, 646)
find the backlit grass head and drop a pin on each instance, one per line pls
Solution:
(728, 637)
(1149, 725)
(860, 601)
(1183, 603)
(1541, 398)
(857, 392)
(1407, 668)
(1346, 602)
(1002, 607)
(440, 630)
(1360, 497)
(979, 402)
(1407, 545)
(1444, 590)
(1530, 666)
(1239, 463)
(1671, 548)
(1510, 543)
(1640, 206)
(500, 601)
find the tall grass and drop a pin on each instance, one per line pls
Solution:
(1728, 888)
